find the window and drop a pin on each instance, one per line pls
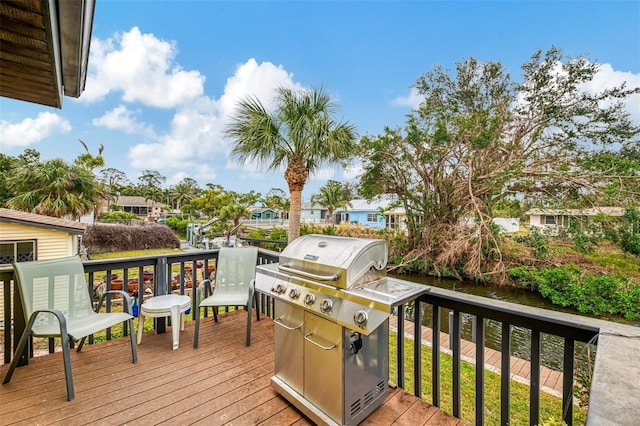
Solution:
(392, 221)
(372, 217)
(17, 251)
(549, 220)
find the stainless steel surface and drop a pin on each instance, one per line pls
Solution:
(346, 261)
(375, 300)
(289, 331)
(332, 305)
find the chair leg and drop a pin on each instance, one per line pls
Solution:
(66, 356)
(16, 358)
(134, 341)
(248, 343)
(257, 305)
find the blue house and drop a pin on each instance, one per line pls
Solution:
(365, 213)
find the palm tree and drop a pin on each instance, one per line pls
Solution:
(183, 192)
(54, 188)
(331, 197)
(301, 135)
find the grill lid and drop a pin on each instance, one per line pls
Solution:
(337, 261)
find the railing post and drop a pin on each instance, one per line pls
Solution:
(161, 274)
(400, 343)
(417, 349)
(505, 374)
(479, 338)
(435, 355)
(456, 364)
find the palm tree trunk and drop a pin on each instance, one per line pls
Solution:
(294, 214)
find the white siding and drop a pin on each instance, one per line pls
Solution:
(50, 244)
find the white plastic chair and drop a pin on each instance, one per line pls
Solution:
(234, 285)
(56, 303)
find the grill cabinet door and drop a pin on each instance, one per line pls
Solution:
(323, 371)
(289, 344)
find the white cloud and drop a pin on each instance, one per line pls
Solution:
(142, 68)
(412, 100)
(607, 78)
(125, 120)
(32, 130)
(196, 130)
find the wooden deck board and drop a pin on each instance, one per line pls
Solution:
(221, 382)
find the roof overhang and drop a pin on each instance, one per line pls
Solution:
(45, 49)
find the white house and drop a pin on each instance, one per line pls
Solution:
(554, 219)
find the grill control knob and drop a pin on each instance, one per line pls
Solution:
(309, 299)
(279, 289)
(360, 318)
(326, 305)
(294, 293)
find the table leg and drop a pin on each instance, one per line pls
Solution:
(182, 321)
(175, 328)
(140, 326)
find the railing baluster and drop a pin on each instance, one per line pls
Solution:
(417, 349)
(479, 337)
(505, 375)
(456, 363)
(567, 382)
(435, 355)
(400, 345)
(534, 385)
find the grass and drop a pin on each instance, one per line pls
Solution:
(550, 406)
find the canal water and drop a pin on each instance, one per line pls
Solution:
(551, 351)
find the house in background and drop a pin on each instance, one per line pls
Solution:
(27, 236)
(144, 208)
(368, 213)
(313, 213)
(554, 220)
(262, 213)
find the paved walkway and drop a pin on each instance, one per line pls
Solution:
(550, 379)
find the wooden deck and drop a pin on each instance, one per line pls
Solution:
(221, 382)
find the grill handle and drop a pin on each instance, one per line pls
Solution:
(281, 324)
(286, 268)
(326, 348)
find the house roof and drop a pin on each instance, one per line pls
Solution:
(45, 49)
(41, 221)
(608, 211)
(260, 209)
(362, 205)
(312, 206)
(135, 201)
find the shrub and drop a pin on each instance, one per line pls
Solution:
(108, 238)
(631, 243)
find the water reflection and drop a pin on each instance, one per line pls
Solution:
(551, 347)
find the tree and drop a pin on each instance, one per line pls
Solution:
(114, 179)
(277, 200)
(183, 192)
(331, 196)
(301, 135)
(478, 139)
(54, 188)
(150, 178)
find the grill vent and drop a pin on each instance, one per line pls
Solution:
(356, 407)
(368, 397)
(380, 387)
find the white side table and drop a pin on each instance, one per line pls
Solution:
(173, 305)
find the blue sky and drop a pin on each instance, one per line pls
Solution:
(164, 76)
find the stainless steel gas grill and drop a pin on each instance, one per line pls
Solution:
(333, 300)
